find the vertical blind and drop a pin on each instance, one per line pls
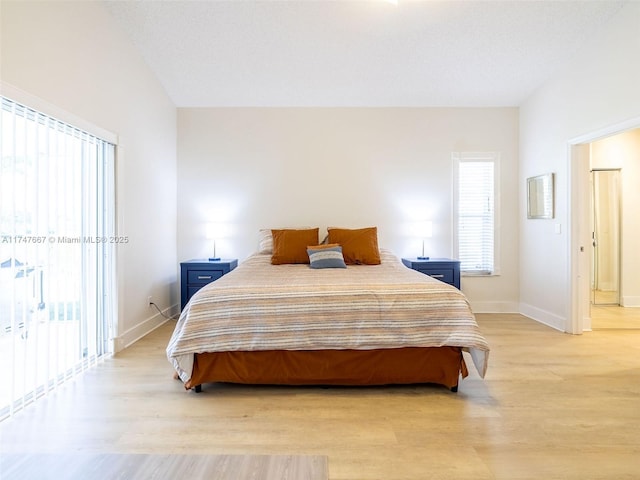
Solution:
(57, 300)
(476, 212)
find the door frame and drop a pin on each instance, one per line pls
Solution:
(579, 266)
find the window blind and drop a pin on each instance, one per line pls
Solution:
(57, 273)
(476, 207)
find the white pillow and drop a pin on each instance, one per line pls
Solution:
(265, 245)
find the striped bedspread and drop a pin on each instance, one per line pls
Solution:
(259, 306)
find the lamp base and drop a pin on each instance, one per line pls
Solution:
(214, 259)
(423, 258)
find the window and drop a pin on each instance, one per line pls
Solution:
(57, 295)
(475, 207)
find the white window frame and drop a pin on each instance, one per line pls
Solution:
(458, 158)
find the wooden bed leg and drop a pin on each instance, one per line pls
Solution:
(454, 389)
(198, 388)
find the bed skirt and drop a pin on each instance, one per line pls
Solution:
(440, 365)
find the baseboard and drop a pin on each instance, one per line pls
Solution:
(542, 316)
(494, 307)
(629, 301)
(144, 328)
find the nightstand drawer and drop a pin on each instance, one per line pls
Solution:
(195, 274)
(444, 275)
(444, 269)
(202, 277)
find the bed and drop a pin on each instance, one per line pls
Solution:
(295, 325)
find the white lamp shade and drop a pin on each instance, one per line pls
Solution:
(423, 229)
(217, 230)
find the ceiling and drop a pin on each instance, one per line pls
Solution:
(357, 53)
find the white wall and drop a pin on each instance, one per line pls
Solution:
(597, 89)
(73, 56)
(623, 151)
(255, 168)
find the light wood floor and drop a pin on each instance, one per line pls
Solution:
(145, 466)
(613, 316)
(553, 406)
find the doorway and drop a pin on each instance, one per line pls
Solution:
(620, 145)
(605, 236)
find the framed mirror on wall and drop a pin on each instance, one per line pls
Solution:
(540, 196)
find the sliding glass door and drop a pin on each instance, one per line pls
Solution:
(57, 295)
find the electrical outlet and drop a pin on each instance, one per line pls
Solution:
(149, 301)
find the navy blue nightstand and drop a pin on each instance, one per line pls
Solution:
(443, 269)
(195, 274)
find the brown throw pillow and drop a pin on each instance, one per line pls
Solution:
(290, 245)
(359, 246)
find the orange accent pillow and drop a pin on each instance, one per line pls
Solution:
(290, 245)
(323, 246)
(359, 246)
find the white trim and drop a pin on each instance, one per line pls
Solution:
(543, 316)
(494, 306)
(615, 129)
(630, 301)
(37, 103)
(120, 229)
(143, 329)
